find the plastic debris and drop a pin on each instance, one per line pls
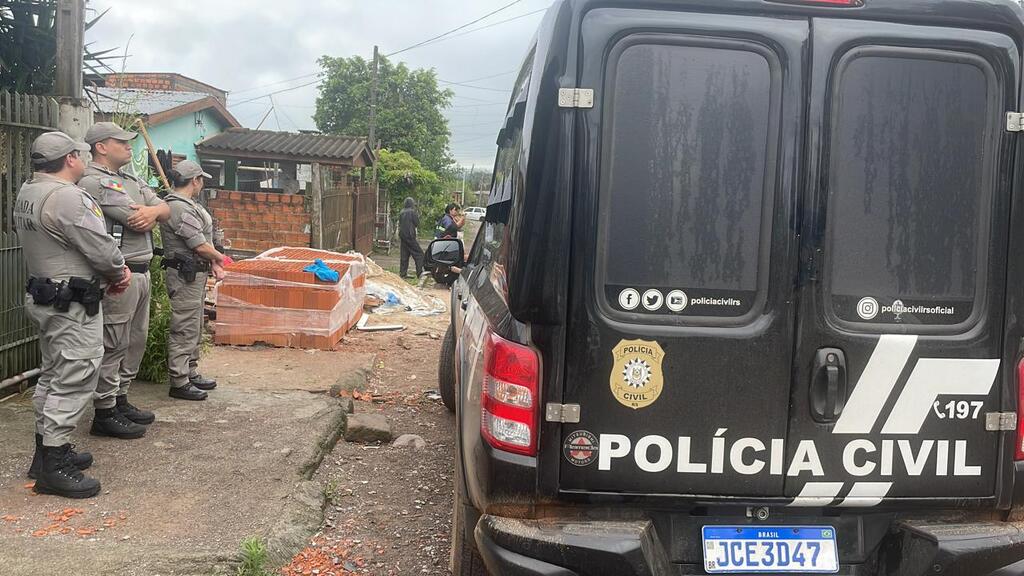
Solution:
(322, 271)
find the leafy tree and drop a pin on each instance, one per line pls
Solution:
(28, 46)
(409, 106)
(403, 176)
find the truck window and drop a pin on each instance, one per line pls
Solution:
(685, 187)
(910, 187)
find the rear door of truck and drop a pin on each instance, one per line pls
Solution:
(904, 253)
(682, 312)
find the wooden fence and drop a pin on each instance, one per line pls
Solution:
(22, 118)
(343, 210)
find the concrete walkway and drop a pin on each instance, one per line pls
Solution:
(206, 476)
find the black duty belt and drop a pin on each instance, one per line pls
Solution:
(197, 265)
(140, 268)
(60, 295)
(187, 267)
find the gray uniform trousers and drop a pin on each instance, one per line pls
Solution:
(72, 346)
(124, 340)
(186, 326)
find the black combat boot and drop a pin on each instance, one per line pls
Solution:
(144, 417)
(81, 460)
(110, 422)
(187, 392)
(202, 382)
(58, 475)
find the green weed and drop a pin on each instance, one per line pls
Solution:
(254, 558)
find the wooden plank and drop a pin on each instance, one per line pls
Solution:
(316, 208)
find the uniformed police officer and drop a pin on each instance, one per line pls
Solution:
(189, 256)
(69, 257)
(130, 211)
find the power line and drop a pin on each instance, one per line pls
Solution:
(289, 119)
(489, 77)
(273, 83)
(505, 90)
(276, 92)
(492, 25)
(456, 29)
(470, 98)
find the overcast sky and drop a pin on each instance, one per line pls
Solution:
(254, 47)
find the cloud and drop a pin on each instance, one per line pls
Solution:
(250, 46)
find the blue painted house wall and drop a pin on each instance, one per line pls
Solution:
(181, 134)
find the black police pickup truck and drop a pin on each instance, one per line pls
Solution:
(748, 295)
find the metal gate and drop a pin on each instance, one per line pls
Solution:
(22, 118)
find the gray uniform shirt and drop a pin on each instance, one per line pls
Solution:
(62, 232)
(189, 227)
(115, 192)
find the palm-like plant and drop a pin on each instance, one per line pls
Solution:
(28, 46)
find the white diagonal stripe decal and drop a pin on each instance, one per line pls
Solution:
(933, 377)
(817, 494)
(875, 384)
(866, 494)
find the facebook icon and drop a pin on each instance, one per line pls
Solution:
(629, 299)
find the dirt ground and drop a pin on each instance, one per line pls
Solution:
(390, 510)
(208, 475)
(178, 501)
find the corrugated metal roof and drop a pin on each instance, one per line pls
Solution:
(298, 146)
(146, 102)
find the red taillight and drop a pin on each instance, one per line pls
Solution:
(821, 2)
(509, 401)
(1020, 411)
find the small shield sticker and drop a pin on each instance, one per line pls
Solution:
(637, 379)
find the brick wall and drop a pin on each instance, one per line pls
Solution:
(169, 82)
(258, 221)
(141, 81)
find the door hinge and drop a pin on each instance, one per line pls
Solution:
(1000, 421)
(575, 98)
(564, 413)
(1015, 121)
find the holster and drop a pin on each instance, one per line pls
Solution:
(60, 295)
(88, 293)
(185, 265)
(43, 290)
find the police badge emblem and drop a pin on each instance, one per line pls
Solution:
(637, 379)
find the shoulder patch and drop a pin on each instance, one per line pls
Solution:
(90, 205)
(92, 218)
(112, 184)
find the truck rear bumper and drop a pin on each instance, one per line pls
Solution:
(553, 547)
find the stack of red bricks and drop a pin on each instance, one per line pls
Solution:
(259, 221)
(270, 299)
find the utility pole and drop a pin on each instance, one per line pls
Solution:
(373, 109)
(70, 27)
(462, 199)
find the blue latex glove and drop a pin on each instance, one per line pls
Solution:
(322, 272)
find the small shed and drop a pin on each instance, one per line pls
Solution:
(328, 170)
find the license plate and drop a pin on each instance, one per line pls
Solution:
(774, 549)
